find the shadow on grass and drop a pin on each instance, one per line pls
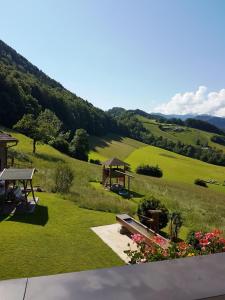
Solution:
(39, 217)
(102, 142)
(48, 157)
(136, 195)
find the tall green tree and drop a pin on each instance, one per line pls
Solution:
(79, 146)
(44, 128)
(49, 124)
(28, 126)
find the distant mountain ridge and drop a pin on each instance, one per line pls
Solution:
(216, 121)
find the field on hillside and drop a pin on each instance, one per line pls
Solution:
(202, 208)
(110, 146)
(177, 167)
(188, 136)
(58, 237)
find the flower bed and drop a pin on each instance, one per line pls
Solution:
(204, 243)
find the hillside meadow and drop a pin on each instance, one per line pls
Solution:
(187, 136)
(59, 231)
(202, 208)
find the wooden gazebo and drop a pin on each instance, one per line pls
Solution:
(115, 168)
(11, 178)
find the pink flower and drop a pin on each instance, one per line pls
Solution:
(137, 238)
(209, 235)
(198, 235)
(159, 240)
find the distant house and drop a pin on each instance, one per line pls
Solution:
(6, 142)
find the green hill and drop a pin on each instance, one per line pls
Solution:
(112, 145)
(58, 238)
(176, 167)
(183, 134)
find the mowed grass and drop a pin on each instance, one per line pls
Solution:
(176, 167)
(110, 146)
(56, 238)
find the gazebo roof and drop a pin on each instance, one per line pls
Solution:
(114, 162)
(17, 174)
(7, 138)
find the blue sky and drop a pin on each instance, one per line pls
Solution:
(134, 54)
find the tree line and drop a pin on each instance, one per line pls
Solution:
(134, 128)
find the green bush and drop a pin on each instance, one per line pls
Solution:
(63, 178)
(201, 182)
(95, 161)
(152, 203)
(60, 144)
(149, 170)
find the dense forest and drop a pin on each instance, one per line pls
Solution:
(24, 89)
(29, 97)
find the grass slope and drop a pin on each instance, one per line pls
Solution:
(189, 136)
(201, 208)
(110, 146)
(176, 167)
(56, 238)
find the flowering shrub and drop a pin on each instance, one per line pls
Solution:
(208, 243)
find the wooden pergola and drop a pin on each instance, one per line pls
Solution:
(115, 168)
(23, 176)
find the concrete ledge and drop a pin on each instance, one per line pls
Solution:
(201, 277)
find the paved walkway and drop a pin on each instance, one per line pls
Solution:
(110, 234)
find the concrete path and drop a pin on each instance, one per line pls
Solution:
(110, 234)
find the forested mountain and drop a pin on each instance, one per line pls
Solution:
(26, 89)
(216, 121)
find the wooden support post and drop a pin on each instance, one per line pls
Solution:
(128, 183)
(32, 191)
(25, 191)
(110, 179)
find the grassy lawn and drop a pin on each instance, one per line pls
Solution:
(56, 238)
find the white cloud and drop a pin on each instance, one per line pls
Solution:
(198, 102)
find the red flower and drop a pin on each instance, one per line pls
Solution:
(217, 232)
(182, 246)
(204, 242)
(159, 240)
(221, 240)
